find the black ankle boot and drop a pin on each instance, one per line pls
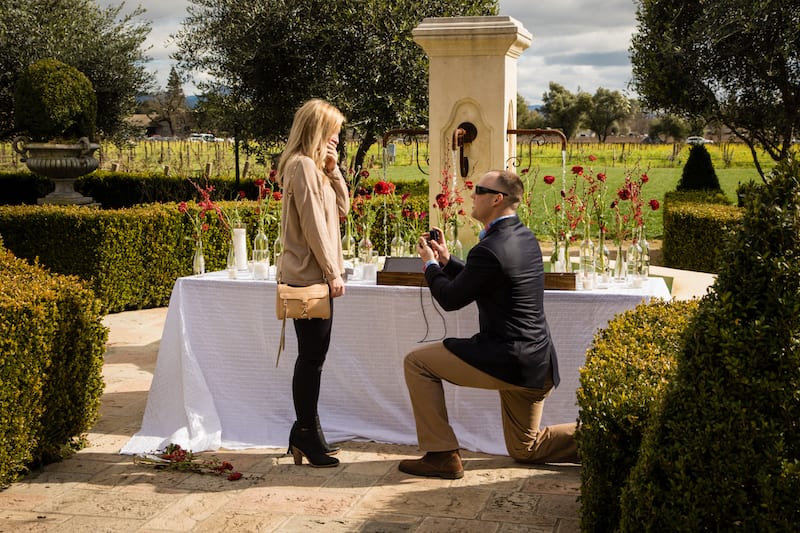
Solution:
(305, 442)
(329, 449)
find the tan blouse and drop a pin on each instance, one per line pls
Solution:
(313, 203)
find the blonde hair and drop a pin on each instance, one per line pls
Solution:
(314, 124)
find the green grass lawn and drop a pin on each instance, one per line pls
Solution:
(662, 163)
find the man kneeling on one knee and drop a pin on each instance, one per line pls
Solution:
(512, 353)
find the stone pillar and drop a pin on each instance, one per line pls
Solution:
(473, 81)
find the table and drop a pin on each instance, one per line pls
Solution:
(216, 384)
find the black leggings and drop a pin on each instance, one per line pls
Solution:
(313, 339)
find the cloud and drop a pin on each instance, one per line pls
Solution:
(576, 43)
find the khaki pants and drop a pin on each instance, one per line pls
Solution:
(428, 365)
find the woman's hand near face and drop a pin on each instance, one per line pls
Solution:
(331, 155)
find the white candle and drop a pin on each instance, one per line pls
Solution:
(240, 247)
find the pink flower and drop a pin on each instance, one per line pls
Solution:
(549, 179)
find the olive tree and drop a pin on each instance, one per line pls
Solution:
(272, 55)
(101, 43)
(735, 62)
(604, 110)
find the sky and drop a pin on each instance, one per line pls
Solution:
(579, 44)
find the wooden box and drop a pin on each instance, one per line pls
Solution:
(405, 271)
(560, 281)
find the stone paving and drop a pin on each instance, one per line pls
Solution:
(99, 490)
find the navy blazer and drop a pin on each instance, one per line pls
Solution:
(504, 275)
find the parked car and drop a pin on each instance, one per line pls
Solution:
(698, 140)
(202, 137)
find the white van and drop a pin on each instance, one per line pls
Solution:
(202, 137)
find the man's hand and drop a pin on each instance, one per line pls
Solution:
(439, 247)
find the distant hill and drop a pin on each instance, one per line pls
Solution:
(191, 101)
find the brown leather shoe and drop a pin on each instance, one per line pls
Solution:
(446, 465)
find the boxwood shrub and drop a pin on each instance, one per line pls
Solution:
(696, 228)
(51, 352)
(723, 450)
(627, 366)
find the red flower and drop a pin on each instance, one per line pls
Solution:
(383, 188)
(233, 476)
(468, 184)
(592, 158)
(441, 201)
(273, 174)
(525, 171)
(277, 195)
(577, 170)
(645, 179)
(242, 195)
(624, 193)
(259, 183)
(461, 212)
(558, 208)
(549, 179)
(182, 207)
(601, 177)
(654, 205)
(365, 173)
(404, 197)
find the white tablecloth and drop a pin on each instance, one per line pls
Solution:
(216, 385)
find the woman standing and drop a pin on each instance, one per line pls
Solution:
(315, 196)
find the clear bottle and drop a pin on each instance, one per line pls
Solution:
(634, 258)
(231, 261)
(260, 255)
(349, 251)
(198, 260)
(587, 264)
(398, 248)
(645, 259)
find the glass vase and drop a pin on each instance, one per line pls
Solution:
(398, 248)
(366, 248)
(620, 271)
(230, 262)
(260, 255)
(634, 260)
(349, 250)
(587, 264)
(452, 241)
(645, 258)
(602, 259)
(198, 261)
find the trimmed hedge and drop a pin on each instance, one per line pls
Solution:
(696, 228)
(51, 353)
(626, 369)
(723, 451)
(131, 257)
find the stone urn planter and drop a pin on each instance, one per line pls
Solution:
(63, 164)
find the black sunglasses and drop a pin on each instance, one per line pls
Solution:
(480, 189)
